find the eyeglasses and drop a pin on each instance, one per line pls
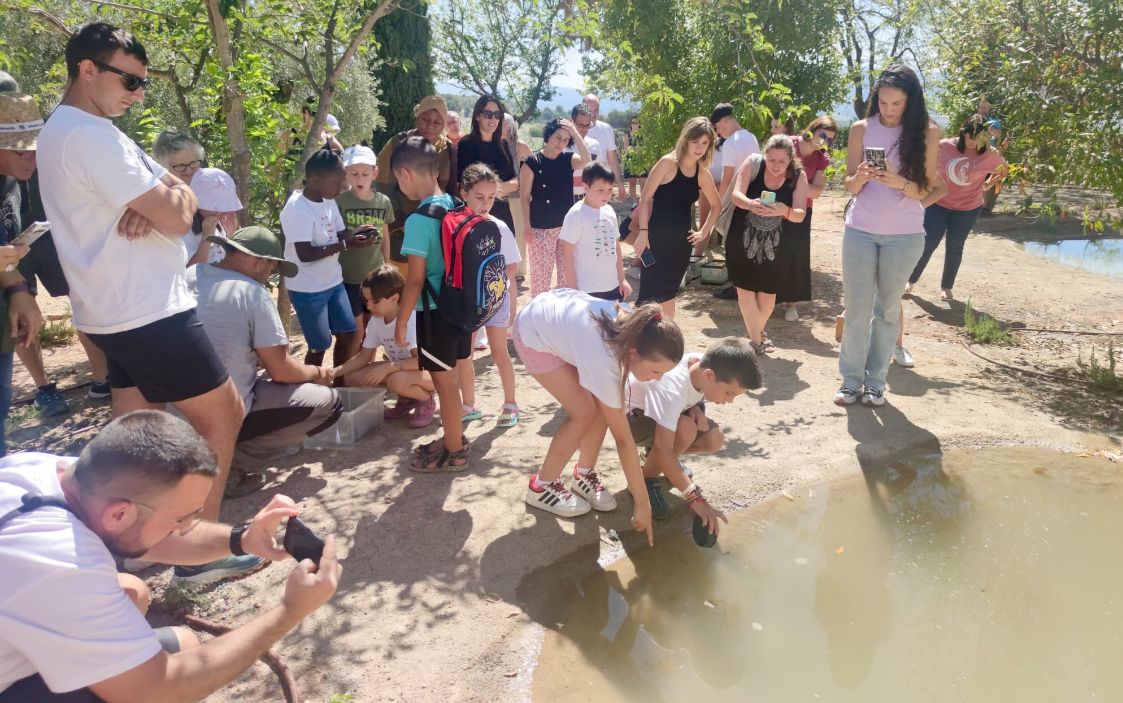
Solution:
(132, 83)
(587, 125)
(189, 166)
(489, 115)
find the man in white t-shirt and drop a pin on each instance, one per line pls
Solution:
(582, 117)
(668, 416)
(295, 401)
(603, 133)
(117, 217)
(590, 239)
(72, 628)
(739, 143)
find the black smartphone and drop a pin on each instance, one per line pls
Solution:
(647, 258)
(876, 156)
(302, 542)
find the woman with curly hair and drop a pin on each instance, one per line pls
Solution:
(892, 164)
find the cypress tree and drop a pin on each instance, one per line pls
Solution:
(403, 67)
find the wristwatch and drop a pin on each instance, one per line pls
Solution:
(18, 287)
(236, 539)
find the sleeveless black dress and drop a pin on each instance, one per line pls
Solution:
(753, 247)
(668, 229)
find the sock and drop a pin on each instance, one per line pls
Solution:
(536, 484)
(582, 472)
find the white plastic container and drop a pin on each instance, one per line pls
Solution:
(362, 412)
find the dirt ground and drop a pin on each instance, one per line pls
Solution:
(433, 602)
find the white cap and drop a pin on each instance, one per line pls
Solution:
(359, 155)
(215, 190)
(333, 124)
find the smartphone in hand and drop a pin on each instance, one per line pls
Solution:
(767, 198)
(302, 542)
(876, 156)
(647, 258)
(33, 232)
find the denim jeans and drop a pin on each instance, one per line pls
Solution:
(875, 268)
(5, 396)
(957, 224)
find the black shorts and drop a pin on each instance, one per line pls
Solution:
(355, 297)
(168, 360)
(42, 263)
(613, 294)
(440, 344)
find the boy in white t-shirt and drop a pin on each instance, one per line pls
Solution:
(589, 239)
(399, 373)
(668, 416)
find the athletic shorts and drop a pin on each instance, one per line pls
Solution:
(355, 297)
(534, 361)
(503, 317)
(323, 314)
(613, 294)
(167, 361)
(34, 690)
(42, 263)
(440, 344)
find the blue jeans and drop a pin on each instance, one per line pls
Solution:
(957, 224)
(875, 268)
(5, 396)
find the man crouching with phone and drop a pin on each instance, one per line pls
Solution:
(73, 628)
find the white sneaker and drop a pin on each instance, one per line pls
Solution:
(902, 358)
(481, 339)
(872, 398)
(846, 396)
(590, 487)
(555, 498)
(908, 288)
(791, 314)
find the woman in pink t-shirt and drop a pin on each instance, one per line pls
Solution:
(969, 166)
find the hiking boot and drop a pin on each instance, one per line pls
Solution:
(592, 490)
(230, 567)
(555, 498)
(659, 508)
(846, 396)
(50, 401)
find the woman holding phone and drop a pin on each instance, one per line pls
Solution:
(884, 234)
(770, 206)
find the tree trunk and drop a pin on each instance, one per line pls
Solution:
(232, 107)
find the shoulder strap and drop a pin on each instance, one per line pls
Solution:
(33, 501)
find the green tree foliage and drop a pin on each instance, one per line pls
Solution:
(679, 58)
(1051, 71)
(403, 67)
(510, 49)
(875, 34)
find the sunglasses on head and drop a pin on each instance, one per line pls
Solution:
(132, 83)
(489, 115)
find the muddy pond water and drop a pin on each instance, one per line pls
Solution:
(985, 576)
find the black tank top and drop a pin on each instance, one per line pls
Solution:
(551, 196)
(670, 206)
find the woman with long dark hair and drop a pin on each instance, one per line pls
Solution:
(892, 169)
(812, 148)
(484, 145)
(969, 166)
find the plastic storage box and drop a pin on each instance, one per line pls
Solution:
(362, 412)
(715, 273)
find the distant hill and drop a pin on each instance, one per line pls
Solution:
(566, 97)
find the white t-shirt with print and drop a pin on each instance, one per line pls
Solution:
(89, 172)
(559, 322)
(603, 133)
(508, 245)
(319, 224)
(63, 614)
(594, 151)
(738, 148)
(593, 232)
(668, 398)
(381, 334)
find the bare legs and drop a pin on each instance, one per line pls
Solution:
(756, 308)
(581, 412)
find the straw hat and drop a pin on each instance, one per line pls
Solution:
(20, 122)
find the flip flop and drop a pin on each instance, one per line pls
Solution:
(509, 417)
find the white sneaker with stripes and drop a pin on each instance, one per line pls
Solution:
(556, 498)
(592, 490)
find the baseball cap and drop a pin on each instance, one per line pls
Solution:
(359, 155)
(333, 124)
(20, 122)
(215, 190)
(259, 242)
(432, 102)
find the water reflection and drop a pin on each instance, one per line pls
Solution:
(968, 577)
(1103, 256)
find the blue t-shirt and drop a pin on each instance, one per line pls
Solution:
(423, 238)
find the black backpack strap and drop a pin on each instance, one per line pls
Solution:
(33, 501)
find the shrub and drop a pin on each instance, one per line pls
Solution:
(984, 329)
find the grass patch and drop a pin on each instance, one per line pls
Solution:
(57, 333)
(184, 599)
(342, 698)
(18, 416)
(1101, 377)
(985, 329)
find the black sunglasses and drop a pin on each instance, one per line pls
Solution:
(489, 115)
(132, 83)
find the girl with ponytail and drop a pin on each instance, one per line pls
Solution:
(581, 350)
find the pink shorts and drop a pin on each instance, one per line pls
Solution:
(534, 361)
